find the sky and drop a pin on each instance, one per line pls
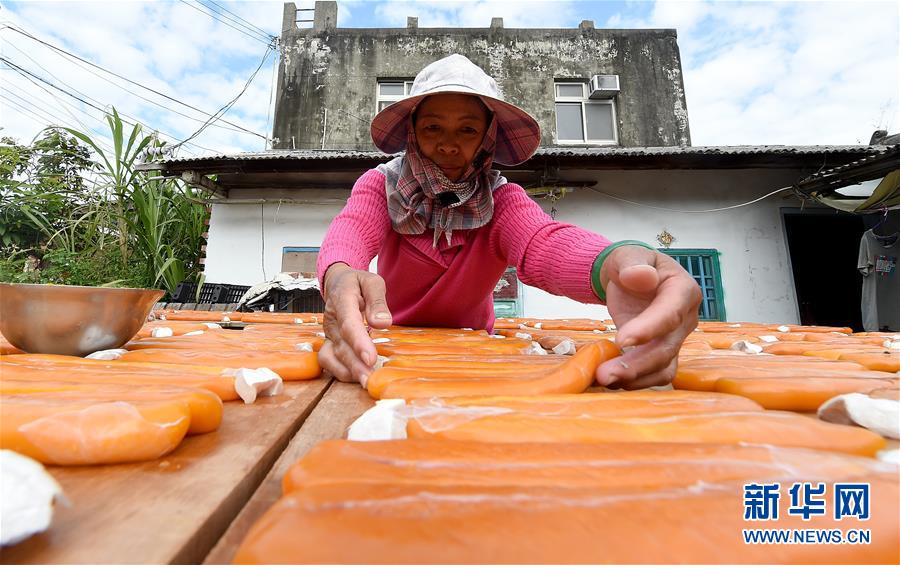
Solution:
(758, 73)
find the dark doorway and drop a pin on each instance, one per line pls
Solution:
(824, 248)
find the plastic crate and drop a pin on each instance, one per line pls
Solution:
(228, 293)
(207, 294)
(184, 292)
(297, 300)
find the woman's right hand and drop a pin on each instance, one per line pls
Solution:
(351, 298)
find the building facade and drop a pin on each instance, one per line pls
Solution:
(615, 159)
(585, 86)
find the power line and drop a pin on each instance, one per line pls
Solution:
(163, 106)
(225, 22)
(239, 20)
(8, 84)
(47, 120)
(270, 109)
(226, 107)
(62, 103)
(101, 139)
(22, 70)
(126, 79)
(774, 192)
(249, 24)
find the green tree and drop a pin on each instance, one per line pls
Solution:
(91, 215)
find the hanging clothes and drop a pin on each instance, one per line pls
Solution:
(878, 256)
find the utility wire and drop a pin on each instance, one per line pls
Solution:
(126, 79)
(221, 111)
(225, 22)
(44, 118)
(22, 70)
(63, 105)
(133, 93)
(270, 109)
(239, 20)
(774, 192)
(66, 109)
(100, 138)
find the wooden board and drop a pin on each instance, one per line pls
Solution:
(341, 405)
(173, 509)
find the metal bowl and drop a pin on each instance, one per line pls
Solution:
(72, 320)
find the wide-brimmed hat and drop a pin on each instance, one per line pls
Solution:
(518, 134)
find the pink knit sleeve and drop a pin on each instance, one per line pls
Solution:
(550, 255)
(357, 232)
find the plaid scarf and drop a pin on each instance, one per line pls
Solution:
(420, 196)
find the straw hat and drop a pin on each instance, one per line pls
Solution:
(518, 134)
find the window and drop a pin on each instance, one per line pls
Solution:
(581, 120)
(299, 260)
(390, 91)
(507, 302)
(703, 265)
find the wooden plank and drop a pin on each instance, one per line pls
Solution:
(341, 405)
(173, 509)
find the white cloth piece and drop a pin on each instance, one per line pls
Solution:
(889, 456)
(27, 496)
(162, 331)
(745, 346)
(565, 347)
(251, 384)
(881, 415)
(107, 354)
(381, 422)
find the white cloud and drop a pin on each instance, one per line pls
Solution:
(754, 72)
(168, 46)
(478, 13)
(785, 72)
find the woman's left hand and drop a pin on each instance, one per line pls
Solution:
(654, 303)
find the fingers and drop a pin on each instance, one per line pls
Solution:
(638, 361)
(631, 267)
(331, 365)
(373, 293)
(673, 309)
(658, 378)
(350, 326)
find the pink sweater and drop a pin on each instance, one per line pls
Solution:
(452, 286)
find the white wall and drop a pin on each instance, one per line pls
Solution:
(753, 253)
(756, 274)
(235, 254)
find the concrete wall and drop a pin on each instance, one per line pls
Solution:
(753, 253)
(334, 69)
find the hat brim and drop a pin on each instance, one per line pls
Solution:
(518, 133)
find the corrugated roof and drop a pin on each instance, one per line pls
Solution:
(889, 154)
(868, 167)
(555, 151)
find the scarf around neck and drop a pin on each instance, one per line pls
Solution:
(420, 196)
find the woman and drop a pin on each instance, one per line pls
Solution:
(445, 225)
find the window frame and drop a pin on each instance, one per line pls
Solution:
(298, 249)
(392, 98)
(516, 303)
(716, 277)
(584, 101)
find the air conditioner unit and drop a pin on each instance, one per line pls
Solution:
(604, 86)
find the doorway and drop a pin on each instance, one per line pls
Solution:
(824, 248)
